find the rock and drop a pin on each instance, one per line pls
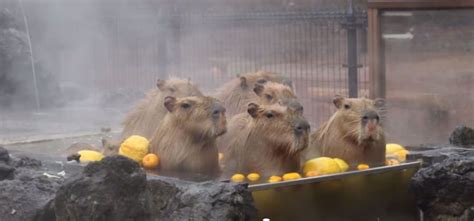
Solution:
(4, 155)
(6, 172)
(445, 190)
(462, 136)
(26, 191)
(436, 154)
(116, 188)
(175, 199)
(112, 189)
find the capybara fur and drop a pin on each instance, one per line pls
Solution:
(237, 93)
(186, 138)
(353, 133)
(146, 116)
(109, 147)
(268, 140)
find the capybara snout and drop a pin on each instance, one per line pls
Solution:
(301, 126)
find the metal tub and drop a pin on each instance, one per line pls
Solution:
(374, 194)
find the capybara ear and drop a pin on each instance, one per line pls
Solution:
(379, 103)
(258, 89)
(169, 103)
(160, 84)
(288, 83)
(243, 82)
(253, 109)
(338, 100)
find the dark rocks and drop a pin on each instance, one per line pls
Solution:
(4, 155)
(117, 189)
(174, 199)
(444, 186)
(462, 136)
(6, 172)
(445, 190)
(113, 189)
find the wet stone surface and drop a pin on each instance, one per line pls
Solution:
(444, 186)
(115, 188)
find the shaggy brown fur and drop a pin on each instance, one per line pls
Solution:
(353, 133)
(145, 117)
(186, 138)
(237, 93)
(268, 140)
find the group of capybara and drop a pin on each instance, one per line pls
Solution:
(256, 122)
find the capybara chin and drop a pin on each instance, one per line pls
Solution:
(146, 116)
(268, 139)
(237, 93)
(186, 138)
(353, 133)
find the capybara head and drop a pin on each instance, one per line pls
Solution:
(178, 87)
(200, 116)
(110, 147)
(360, 117)
(261, 77)
(272, 92)
(280, 127)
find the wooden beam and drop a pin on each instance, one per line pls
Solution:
(420, 4)
(376, 55)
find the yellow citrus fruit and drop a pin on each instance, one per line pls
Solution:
(135, 147)
(90, 155)
(391, 162)
(311, 173)
(253, 176)
(322, 165)
(391, 148)
(401, 155)
(150, 161)
(237, 178)
(342, 164)
(274, 179)
(291, 176)
(363, 167)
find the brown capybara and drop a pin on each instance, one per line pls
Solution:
(268, 140)
(146, 116)
(186, 138)
(109, 148)
(353, 133)
(237, 93)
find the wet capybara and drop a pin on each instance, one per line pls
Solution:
(237, 93)
(353, 133)
(109, 147)
(146, 116)
(268, 140)
(186, 138)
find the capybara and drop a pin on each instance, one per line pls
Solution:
(353, 133)
(237, 93)
(146, 116)
(268, 140)
(109, 147)
(186, 138)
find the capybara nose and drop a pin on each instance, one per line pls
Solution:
(301, 127)
(370, 115)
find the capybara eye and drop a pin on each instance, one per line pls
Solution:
(269, 115)
(185, 106)
(262, 81)
(377, 118)
(347, 106)
(269, 97)
(365, 118)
